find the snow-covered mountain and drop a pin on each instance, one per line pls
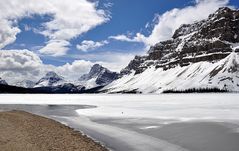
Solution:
(50, 79)
(201, 55)
(26, 84)
(54, 83)
(98, 76)
(3, 82)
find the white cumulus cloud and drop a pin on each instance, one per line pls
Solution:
(138, 38)
(74, 70)
(123, 38)
(70, 19)
(90, 45)
(7, 33)
(55, 48)
(19, 64)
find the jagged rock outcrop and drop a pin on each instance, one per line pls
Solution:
(98, 76)
(134, 65)
(199, 55)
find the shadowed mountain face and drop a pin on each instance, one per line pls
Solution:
(50, 79)
(3, 82)
(199, 55)
(101, 75)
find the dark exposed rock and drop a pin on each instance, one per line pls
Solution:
(64, 88)
(133, 65)
(102, 75)
(67, 88)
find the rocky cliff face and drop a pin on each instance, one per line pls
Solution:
(209, 41)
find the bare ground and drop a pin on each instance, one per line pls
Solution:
(22, 131)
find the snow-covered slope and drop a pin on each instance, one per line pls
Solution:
(98, 76)
(223, 75)
(49, 80)
(200, 55)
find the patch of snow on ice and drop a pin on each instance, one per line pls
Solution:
(149, 127)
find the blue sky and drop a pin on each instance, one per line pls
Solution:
(63, 33)
(125, 17)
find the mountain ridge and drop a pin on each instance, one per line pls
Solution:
(51, 82)
(199, 55)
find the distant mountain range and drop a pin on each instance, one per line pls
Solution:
(26, 84)
(203, 56)
(53, 83)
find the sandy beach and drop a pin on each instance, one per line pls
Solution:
(23, 131)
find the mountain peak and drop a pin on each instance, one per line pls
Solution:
(96, 69)
(50, 79)
(99, 75)
(97, 66)
(3, 82)
(222, 10)
(52, 74)
(223, 24)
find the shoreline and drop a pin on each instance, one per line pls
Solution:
(20, 130)
(195, 122)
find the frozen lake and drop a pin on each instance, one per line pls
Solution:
(143, 122)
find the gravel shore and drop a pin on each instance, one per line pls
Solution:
(22, 131)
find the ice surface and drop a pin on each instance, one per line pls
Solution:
(164, 106)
